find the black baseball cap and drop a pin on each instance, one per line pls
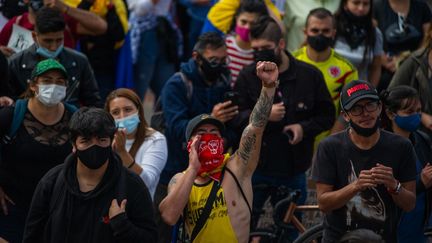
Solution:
(200, 120)
(355, 91)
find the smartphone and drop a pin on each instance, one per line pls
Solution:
(233, 96)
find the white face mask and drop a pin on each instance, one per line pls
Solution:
(51, 94)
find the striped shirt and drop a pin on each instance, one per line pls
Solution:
(238, 58)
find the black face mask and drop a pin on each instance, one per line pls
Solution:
(94, 157)
(268, 55)
(359, 20)
(212, 72)
(355, 35)
(319, 42)
(365, 132)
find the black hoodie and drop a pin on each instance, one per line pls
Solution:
(60, 212)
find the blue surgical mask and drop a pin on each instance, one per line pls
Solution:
(130, 123)
(408, 123)
(47, 53)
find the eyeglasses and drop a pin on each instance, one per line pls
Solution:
(215, 62)
(357, 110)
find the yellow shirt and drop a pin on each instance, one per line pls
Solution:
(218, 227)
(100, 7)
(337, 72)
(222, 13)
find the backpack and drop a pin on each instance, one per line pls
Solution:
(18, 117)
(157, 121)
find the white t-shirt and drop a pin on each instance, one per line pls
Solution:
(152, 157)
(144, 7)
(355, 56)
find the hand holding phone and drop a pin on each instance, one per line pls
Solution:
(232, 96)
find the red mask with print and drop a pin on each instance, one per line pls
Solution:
(210, 155)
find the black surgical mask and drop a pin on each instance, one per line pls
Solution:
(94, 157)
(365, 132)
(268, 55)
(212, 72)
(319, 42)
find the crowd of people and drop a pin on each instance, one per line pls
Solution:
(248, 92)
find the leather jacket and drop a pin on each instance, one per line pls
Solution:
(82, 88)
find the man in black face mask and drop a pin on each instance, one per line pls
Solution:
(320, 31)
(91, 197)
(364, 176)
(302, 109)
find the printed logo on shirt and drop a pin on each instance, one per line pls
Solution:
(334, 71)
(365, 208)
(219, 209)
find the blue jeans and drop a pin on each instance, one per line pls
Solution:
(260, 196)
(12, 225)
(152, 68)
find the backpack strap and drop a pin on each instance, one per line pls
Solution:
(69, 107)
(18, 117)
(188, 84)
(19, 113)
(202, 218)
(240, 188)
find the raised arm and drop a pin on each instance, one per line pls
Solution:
(246, 157)
(89, 23)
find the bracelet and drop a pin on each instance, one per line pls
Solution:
(273, 85)
(131, 164)
(396, 190)
(66, 10)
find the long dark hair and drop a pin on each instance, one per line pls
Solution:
(143, 130)
(395, 99)
(249, 6)
(343, 23)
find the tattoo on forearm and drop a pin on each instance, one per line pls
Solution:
(261, 111)
(172, 181)
(247, 146)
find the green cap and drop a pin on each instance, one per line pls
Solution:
(47, 65)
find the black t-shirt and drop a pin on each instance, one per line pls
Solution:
(338, 162)
(34, 150)
(395, 40)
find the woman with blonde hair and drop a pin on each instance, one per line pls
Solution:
(416, 72)
(141, 149)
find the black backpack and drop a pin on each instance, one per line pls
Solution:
(157, 121)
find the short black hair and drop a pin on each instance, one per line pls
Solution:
(320, 13)
(88, 122)
(49, 20)
(211, 40)
(266, 28)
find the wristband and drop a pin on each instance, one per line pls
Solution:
(66, 10)
(275, 84)
(396, 190)
(131, 164)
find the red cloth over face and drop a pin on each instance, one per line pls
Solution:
(210, 154)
